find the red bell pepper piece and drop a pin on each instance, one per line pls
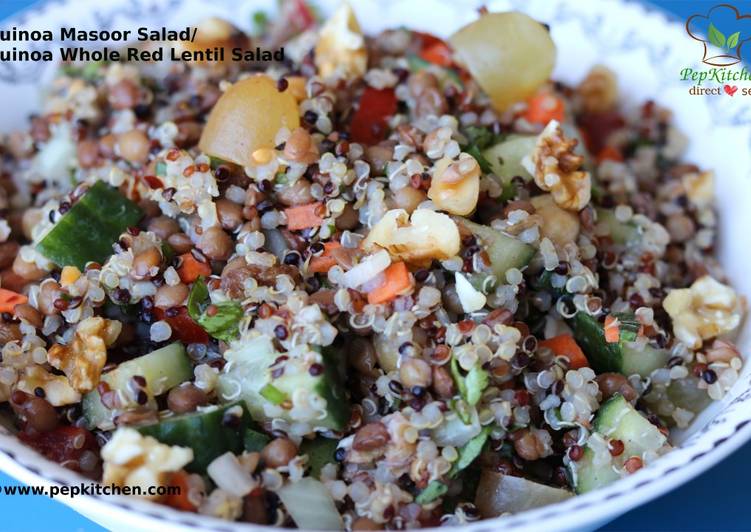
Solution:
(58, 444)
(369, 125)
(183, 327)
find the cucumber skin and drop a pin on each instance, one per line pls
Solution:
(204, 432)
(616, 419)
(254, 441)
(603, 356)
(588, 477)
(161, 375)
(320, 452)
(87, 232)
(616, 356)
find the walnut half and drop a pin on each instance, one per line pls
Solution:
(556, 168)
(83, 360)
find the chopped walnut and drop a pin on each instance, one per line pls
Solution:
(455, 186)
(427, 235)
(340, 50)
(598, 92)
(131, 459)
(83, 360)
(558, 225)
(555, 167)
(57, 389)
(699, 187)
(706, 309)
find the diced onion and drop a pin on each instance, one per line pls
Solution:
(367, 269)
(229, 475)
(310, 504)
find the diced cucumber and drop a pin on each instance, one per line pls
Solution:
(622, 233)
(686, 394)
(505, 252)
(163, 369)
(210, 432)
(249, 376)
(320, 452)
(587, 476)
(88, 230)
(617, 420)
(622, 356)
(498, 494)
(506, 157)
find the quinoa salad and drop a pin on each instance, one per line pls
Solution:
(389, 282)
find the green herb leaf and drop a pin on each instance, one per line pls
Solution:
(221, 324)
(260, 22)
(732, 41)
(475, 152)
(463, 411)
(161, 169)
(469, 452)
(476, 382)
(434, 490)
(716, 37)
(458, 377)
(273, 394)
(471, 386)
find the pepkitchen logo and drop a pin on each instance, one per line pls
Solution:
(723, 31)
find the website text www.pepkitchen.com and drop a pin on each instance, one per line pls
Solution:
(89, 488)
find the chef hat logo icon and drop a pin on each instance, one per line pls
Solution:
(723, 28)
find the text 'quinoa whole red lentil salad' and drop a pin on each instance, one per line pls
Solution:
(390, 282)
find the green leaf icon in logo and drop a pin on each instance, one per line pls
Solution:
(716, 37)
(733, 40)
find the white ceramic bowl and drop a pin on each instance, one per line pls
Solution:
(645, 47)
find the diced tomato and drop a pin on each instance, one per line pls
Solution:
(183, 327)
(369, 125)
(596, 128)
(58, 444)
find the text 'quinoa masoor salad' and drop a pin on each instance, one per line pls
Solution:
(392, 282)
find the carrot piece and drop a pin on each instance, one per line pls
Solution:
(304, 216)
(397, 281)
(9, 299)
(609, 153)
(544, 107)
(191, 268)
(324, 262)
(612, 329)
(565, 345)
(180, 500)
(437, 53)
